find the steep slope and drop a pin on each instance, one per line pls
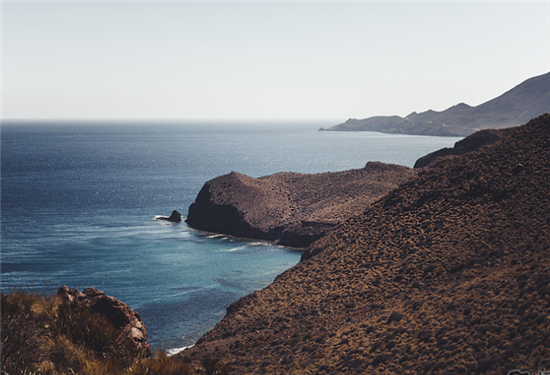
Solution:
(470, 143)
(522, 103)
(292, 208)
(450, 273)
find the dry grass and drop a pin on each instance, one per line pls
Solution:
(450, 273)
(43, 335)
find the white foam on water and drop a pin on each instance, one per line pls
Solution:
(174, 351)
(232, 249)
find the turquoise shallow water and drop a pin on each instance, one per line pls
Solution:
(79, 201)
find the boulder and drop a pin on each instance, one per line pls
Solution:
(115, 311)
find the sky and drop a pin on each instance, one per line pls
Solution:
(263, 60)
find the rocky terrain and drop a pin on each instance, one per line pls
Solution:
(296, 209)
(293, 209)
(449, 273)
(470, 143)
(522, 103)
(74, 333)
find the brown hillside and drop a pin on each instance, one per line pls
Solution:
(450, 273)
(470, 143)
(294, 209)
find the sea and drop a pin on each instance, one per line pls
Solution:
(79, 201)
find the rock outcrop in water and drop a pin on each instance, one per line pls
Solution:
(449, 273)
(516, 106)
(293, 209)
(175, 217)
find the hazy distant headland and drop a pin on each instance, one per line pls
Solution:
(522, 103)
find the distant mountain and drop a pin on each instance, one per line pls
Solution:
(524, 102)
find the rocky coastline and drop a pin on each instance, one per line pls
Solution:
(448, 273)
(291, 209)
(294, 209)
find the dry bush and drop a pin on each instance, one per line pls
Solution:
(23, 331)
(42, 335)
(162, 365)
(213, 366)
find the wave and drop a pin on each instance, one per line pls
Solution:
(174, 351)
(232, 249)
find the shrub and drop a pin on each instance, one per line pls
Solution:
(41, 334)
(21, 336)
(395, 316)
(162, 365)
(213, 366)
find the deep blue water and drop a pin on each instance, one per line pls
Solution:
(78, 204)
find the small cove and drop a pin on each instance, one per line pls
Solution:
(79, 201)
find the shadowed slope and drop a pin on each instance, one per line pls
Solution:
(448, 273)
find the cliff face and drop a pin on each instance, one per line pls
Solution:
(527, 100)
(449, 273)
(293, 209)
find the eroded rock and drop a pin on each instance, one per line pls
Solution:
(115, 311)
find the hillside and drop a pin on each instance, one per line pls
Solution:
(522, 103)
(293, 209)
(471, 143)
(449, 273)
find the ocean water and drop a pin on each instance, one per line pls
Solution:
(78, 202)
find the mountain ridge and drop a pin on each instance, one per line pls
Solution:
(525, 101)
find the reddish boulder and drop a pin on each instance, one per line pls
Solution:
(115, 311)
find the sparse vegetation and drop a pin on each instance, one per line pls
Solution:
(449, 273)
(43, 335)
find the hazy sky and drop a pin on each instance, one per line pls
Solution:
(327, 60)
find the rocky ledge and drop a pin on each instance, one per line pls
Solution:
(292, 209)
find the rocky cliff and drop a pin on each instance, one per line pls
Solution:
(449, 273)
(522, 103)
(293, 209)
